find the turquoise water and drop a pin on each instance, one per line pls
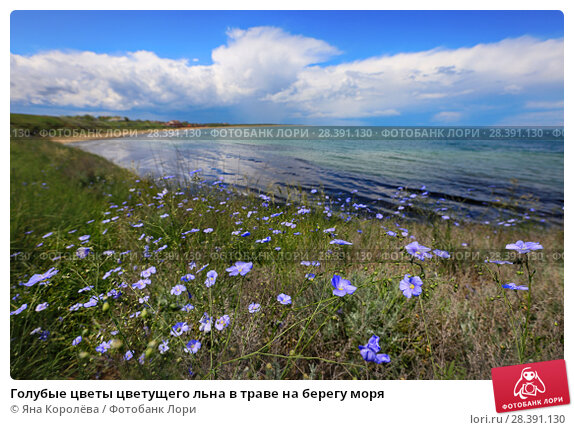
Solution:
(527, 176)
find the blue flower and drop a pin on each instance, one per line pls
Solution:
(524, 247)
(222, 322)
(342, 286)
(512, 286)
(240, 268)
(192, 347)
(205, 323)
(42, 306)
(179, 329)
(91, 303)
(41, 277)
(187, 308)
(115, 294)
(198, 270)
(411, 286)
(128, 355)
(148, 272)
(83, 252)
(77, 340)
(254, 308)
(177, 290)
(20, 309)
(501, 262)
(418, 251)
(370, 351)
(75, 307)
(211, 277)
(104, 346)
(441, 254)
(187, 278)
(340, 242)
(284, 299)
(141, 284)
(163, 348)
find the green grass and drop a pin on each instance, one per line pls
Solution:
(34, 124)
(25, 125)
(461, 326)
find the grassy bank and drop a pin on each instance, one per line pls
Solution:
(95, 231)
(25, 125)
(34, 124)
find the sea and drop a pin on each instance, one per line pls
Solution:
(480, 180)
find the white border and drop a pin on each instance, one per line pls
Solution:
(407, 404)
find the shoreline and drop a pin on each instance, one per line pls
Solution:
(466, 207)
(105, 134)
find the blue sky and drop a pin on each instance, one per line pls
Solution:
(313, 67)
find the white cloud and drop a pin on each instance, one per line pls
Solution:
(263, 60)
(86, 79)
(281, 72)
(556, 104)
(540, 118)
(419, 79)
(447, 116)
(254, 63)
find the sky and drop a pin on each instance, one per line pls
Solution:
(297, 67)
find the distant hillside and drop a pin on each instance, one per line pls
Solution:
(36, 123)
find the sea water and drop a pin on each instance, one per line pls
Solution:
(483, 179)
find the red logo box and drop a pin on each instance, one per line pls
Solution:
(529, 386)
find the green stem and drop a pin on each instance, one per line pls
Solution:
(512, 318)
(525, 331)
(248, 332)
(290, 361)
(260, 350)
(210, 334)
(114, 320)
(428, 338)
(235, 318)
